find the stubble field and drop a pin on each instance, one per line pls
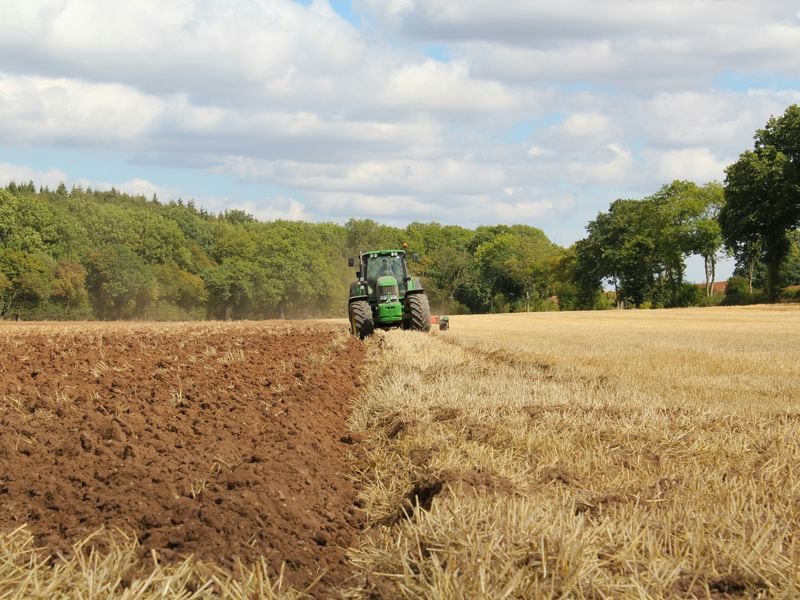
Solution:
(599, 455)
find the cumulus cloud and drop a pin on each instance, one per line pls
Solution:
(23, 174)
(616, 167)
(694, 164)
(241, 52)
(594, 59)
(36, 108)
(536, 151)
(64, 111)
(441, 86)
(467, 209)
(466, 112)
(585, 124)
(710, 118)
(136, 187)
(273, 209)
(389, 176)
(624, 44)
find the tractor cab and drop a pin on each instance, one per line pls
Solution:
(385, 295)
(377, 268)
(385, 275)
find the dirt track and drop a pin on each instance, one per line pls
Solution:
(218, 440)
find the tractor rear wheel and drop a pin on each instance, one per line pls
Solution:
(419, 312)
(361, 323)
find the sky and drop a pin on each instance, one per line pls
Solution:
(465, 112)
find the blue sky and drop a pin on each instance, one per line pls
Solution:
(468, 112)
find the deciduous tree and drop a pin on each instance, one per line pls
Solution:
(762, 196)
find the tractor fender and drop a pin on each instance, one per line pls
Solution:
(358, 291)
(415, 286)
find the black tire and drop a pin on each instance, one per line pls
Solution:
(419, 312)
(361, 323)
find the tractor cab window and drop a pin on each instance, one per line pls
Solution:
(381, 266)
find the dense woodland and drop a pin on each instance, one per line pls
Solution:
(87, 254)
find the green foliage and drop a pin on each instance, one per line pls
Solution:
(231, 288)
(639, 246)
(447, 272)
(120, 284)
(791, 294)
(366, 234)
(513, 262)
(739, 291)
(180, 288)
(87, 254)
(428, 238)
(762, 198)
(559, 269)
(790, 268)
(69, 292)
(27, 279)
(689, 295)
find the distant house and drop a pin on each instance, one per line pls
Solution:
(718, 289)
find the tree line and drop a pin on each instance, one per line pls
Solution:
(88, 254)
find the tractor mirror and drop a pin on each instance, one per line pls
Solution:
(415, 257)
(351, 262)
(358, 274)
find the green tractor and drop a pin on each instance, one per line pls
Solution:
(385, 295)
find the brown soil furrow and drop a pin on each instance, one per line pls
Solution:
(220, 441)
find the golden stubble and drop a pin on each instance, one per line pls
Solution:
(604, 454)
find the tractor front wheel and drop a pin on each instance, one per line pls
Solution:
(361, 323)
(419, 312)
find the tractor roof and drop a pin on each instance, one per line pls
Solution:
(384, 252)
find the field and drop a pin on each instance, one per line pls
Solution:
(614, 454)
(619, 454)
(221, 441)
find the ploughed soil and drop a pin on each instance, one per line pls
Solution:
(219, 440)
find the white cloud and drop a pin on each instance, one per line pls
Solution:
(527, 111)
(65, 111)
(563, 62)
(467, 209)
(693, 164)
(624, 44)
(725, 119)
(286, 209)
(615, 166)
(536, 151)
(137, 187)
(23, 174)
(439, 86)
(586, 124)
(695, 117)
(389, 176)
(398, 7)
(241, 51)
(535, 23)
(36, 108)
